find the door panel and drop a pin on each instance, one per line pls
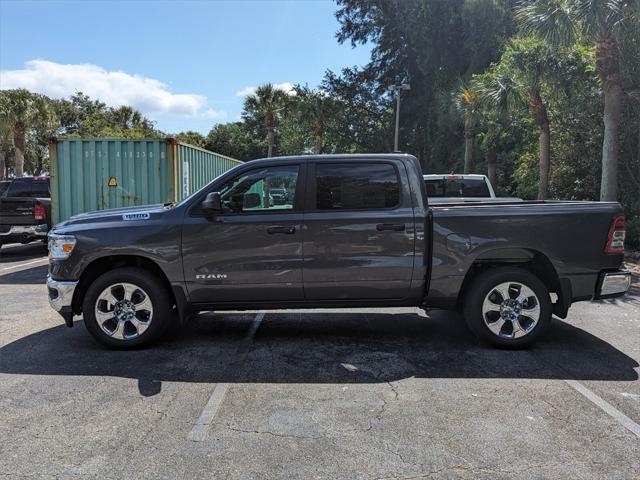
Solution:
(252, 251)
(352, 253)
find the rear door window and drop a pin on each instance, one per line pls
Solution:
(356, 186)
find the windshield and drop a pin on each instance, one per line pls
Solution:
(460, 187)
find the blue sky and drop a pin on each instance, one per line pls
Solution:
(183, 64)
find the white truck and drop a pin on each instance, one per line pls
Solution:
(452, 188)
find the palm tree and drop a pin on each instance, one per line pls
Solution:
(6, 135)
(526, 67)
(126, 118)
(600, 22)
(466, 102)
(315, 109)
(266, 102)
(20, 109)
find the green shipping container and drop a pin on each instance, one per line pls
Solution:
(100, 173)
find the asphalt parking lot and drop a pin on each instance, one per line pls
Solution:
(371, 394)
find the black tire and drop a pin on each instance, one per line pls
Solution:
(486, 284)
(158, 295)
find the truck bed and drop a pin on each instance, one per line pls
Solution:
(572, 235)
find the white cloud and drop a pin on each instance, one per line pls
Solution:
(115, 88)
(286, 87)
(214, 114)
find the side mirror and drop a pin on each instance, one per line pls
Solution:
(251, 200)
(212, 202)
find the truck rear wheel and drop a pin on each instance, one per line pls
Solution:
(126, 308)
(508, 307)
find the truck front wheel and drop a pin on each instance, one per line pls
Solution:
(508, 307)
(126, 308)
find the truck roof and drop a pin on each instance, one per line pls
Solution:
(339, 156)
(456, 175)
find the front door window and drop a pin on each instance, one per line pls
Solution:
(264, 189)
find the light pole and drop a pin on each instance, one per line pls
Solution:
(398, 89)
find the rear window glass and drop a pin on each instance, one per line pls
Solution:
(350, 186)
(19, 188)
(3, 187)
(27, 187)
(468, 187)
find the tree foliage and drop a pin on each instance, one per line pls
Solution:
(29, 120)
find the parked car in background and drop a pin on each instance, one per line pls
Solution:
(452, 188)
(25, 210)
(358, 232)
(279, 196)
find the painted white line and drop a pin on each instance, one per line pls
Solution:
(46, 260)
(606, 407)
(199, 431)
(201, 428)
(255, 326)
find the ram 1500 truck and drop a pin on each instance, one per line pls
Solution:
(357, 232)
(25, 210)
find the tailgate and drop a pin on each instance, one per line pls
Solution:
(17, 211)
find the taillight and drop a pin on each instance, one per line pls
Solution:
(615, 241)
(39, 212)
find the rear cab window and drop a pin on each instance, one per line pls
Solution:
(460, 187)
(19, 188)
(29, 187)
(356, 186)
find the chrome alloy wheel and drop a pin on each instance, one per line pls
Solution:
(123, 311)
(511, 310)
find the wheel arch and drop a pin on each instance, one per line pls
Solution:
(103, 264)
(532, 260)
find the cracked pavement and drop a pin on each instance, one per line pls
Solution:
(358, 394)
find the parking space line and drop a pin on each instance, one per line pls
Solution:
(255, 325)
(201, 428)
(606, 407)
(25, 264)
(199, 431)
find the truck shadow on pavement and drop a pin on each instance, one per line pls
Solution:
(19, 252)
(309, 347)
(28, 276)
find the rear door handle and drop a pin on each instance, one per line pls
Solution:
(393, 227)
(279, 229)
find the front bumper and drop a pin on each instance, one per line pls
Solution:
(613, 284)
(61, 296)
(24, 232)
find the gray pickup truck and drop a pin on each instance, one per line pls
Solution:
(356, 232)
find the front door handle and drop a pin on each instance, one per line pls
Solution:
(279, 229)
(393, 227)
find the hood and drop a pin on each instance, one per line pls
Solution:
(124, 214)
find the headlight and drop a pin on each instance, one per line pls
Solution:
(61, 246)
